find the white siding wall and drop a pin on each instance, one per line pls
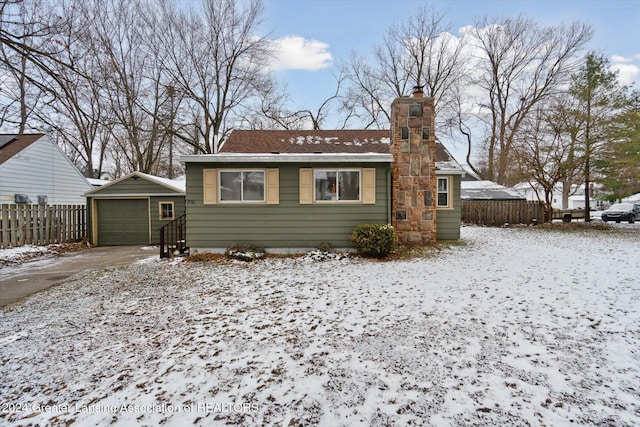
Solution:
(42, 169)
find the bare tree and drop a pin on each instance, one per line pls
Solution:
(564, 124)
(545, 151)
(15, 103)
(367, 98)
(218, 61)
(144, 77)
(460, 122)
(568, 140)
(27, 47)
(417, 52)
(518, 65)
(133, 82)
(75, 107)
(274, 114)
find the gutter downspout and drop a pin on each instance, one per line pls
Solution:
(389, 195)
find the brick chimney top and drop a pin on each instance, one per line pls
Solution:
(418, 92)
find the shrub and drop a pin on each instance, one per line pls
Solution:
(374, 240)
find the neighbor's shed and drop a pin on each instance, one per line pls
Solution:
(488, 190)
(130, 210)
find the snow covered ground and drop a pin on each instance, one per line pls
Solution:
(517, 327)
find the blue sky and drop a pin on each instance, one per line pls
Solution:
(321, 33)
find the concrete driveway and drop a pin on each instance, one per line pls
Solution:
(19, 281)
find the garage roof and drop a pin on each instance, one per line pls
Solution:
(175, 186)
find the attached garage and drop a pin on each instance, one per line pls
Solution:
(130, 210)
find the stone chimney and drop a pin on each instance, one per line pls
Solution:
(413, 202)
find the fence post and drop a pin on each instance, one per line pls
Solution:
(5, 224)
(57, 226)
(64, 224)
(41, 222)
(47, 225)
(83, 232)
(20, 224)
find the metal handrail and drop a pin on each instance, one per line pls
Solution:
(173, 237)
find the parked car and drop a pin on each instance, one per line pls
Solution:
(622, 212)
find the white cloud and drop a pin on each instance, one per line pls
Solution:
(627, 73)
(625, 59)
(628, 69)
(298, 53)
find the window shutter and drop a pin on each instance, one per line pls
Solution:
(210, 186)
(273, 186)
(306, 186)
(369, 186)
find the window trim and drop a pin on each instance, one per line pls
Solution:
(449, 204)
(367, 191)
(160, 211)
(337, 171)
(242, 201)
(211, 187)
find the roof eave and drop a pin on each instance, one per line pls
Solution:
(288, 158)
(444, 171)
(133, 195)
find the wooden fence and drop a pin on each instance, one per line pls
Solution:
(22, 224)
(500, 212)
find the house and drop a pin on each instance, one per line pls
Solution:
(469, 174)
(293, 190)
(97, 182)
(534, 192)
(130, 210)
(33, 169)
(634, 198)
(488, 190)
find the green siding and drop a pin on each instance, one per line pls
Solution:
(286, 225)
(156, 223)
(132, 188)
(448, 221)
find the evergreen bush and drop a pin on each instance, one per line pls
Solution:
(374, 240)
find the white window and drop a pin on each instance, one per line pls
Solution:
(444, 196)
(241, 185)
(166, 211)
(336, 185)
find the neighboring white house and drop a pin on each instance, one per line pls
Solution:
(534, 192)
(34, 170)
(634, 198)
